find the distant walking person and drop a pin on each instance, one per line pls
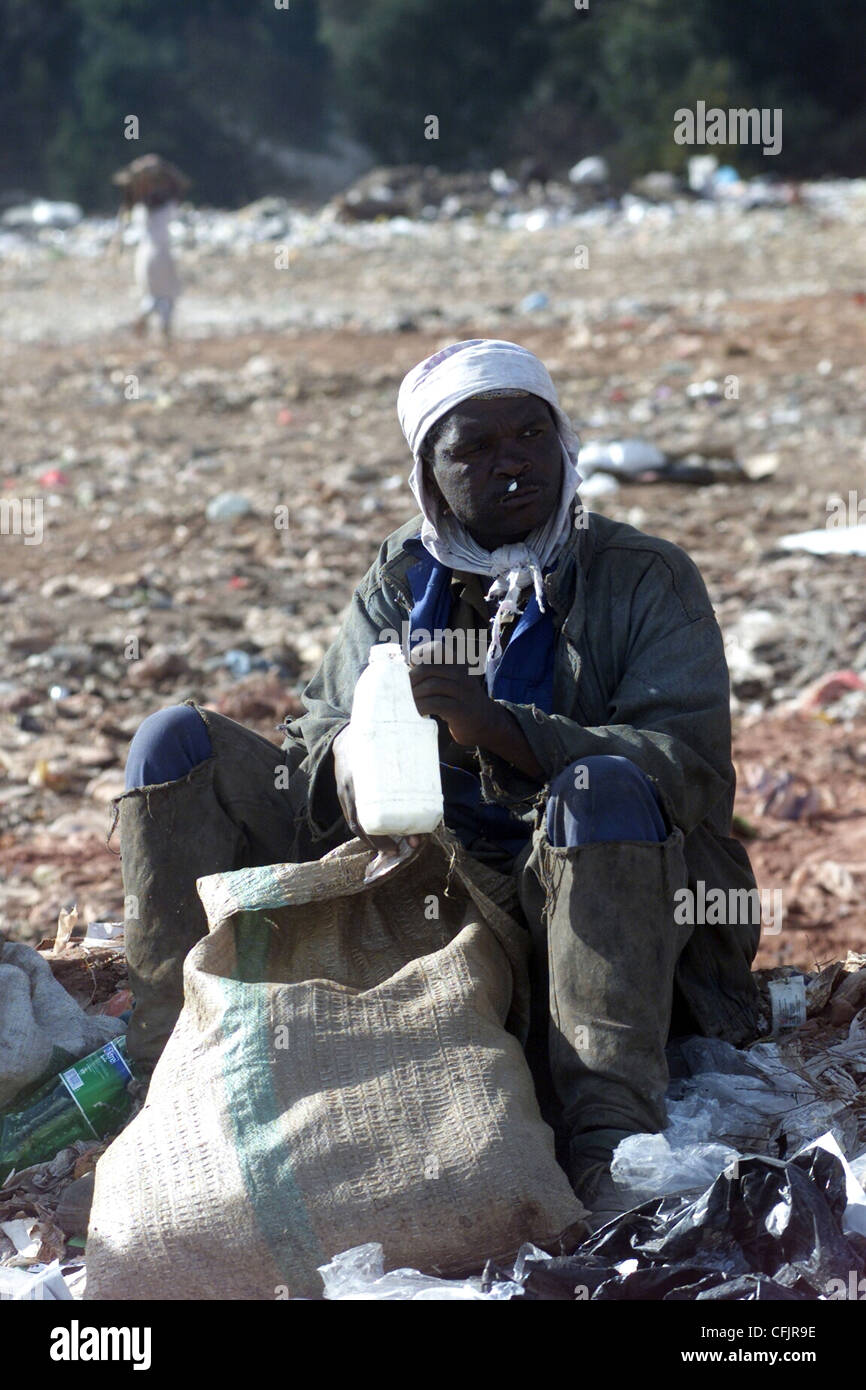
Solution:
(151, 190)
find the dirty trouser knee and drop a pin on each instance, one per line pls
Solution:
(608, 939)
(167, 745)
(241, 806)
(600, 799)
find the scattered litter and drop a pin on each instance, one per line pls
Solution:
(92, 974)
(829, 689)
(118, 1006)
(598, 485)
(647, 1164)
(228, 506)
(709, 390)
(701, 172)
(591, 170)
(786, 795)
(849, 998)
(161, 663)
(531, 303)
(752, 643)
(764, 1229)
(725, 1103)
(73, 1209)
(33, 1241)
(53, 477)
(788, 1004)
(65, 926)
(241, 663)
(36, 1283)
(39, 1188)
(757, 466)
(834, 878)
(41, 1025)
(53, 774)
(360, 1274)
(658, 186)
(501, 183)
(820, 987)
(831, 540)
(104, 934)
(106, 785)
(88, 1100)
(620, 457)
(42, 213)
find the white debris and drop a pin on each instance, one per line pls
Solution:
(830, 540)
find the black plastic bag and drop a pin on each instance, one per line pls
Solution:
(764, 1230)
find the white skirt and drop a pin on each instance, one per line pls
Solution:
(155, 272)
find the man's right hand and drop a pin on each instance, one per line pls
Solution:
(346, 797)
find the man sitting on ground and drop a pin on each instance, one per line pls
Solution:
(590, 758)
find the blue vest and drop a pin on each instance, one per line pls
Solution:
(524, 676)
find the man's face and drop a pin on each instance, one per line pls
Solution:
(480, 448)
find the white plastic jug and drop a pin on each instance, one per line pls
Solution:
(393, 751)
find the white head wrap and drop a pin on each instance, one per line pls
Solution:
(458, 373)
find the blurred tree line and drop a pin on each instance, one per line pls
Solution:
(216, 85)
(207, 79)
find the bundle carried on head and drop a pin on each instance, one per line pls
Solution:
(151, 179)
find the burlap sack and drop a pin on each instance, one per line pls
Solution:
(340, 1073)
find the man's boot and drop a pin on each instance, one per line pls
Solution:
(170, 835)
(612, 947)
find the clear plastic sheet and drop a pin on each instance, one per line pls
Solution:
(723, 1104)
(359, 1273)
(652, 1165)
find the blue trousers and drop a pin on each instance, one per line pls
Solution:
(167, 745)
(599, 799)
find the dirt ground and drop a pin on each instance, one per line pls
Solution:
(281, 385)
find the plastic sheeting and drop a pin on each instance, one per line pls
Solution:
(724, 1104)
(359, 1273)
(765, 1229)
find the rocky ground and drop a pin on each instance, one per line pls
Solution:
(716, 333)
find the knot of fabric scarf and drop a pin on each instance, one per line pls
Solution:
(515, 567)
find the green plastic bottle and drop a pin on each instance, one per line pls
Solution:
(86, 1101)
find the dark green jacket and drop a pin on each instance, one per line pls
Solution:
(640, 672)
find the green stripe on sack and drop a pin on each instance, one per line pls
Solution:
(244, 891)
(257, 1122)
(252, 947)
